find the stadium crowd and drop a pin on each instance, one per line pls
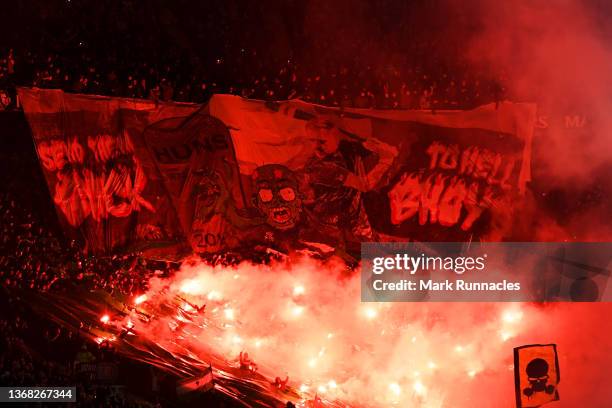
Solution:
(401, 88)
(35, 257)
(123, 49)
(407, 87)
(35, 351)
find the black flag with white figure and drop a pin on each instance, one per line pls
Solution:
(536, 375)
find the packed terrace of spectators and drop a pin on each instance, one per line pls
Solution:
(124, 49)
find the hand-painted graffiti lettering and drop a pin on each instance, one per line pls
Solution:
(56, 154)
(207, 241)
(474, 162)
(107, 147)
(457, 182)
(82, 191)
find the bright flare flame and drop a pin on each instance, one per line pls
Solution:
(395, 388)
(192, 287)
(140, 299)
(419, 388)
(214, 295)
(512, 316)
(370, 313)
(297, 310)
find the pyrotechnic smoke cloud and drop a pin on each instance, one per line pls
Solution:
(557, 54)
(304, 319)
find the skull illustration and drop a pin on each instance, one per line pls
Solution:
(537, 373)
(276, 195)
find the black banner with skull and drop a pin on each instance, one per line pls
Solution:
(536, 375)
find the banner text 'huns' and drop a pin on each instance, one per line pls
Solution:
(237, 174)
